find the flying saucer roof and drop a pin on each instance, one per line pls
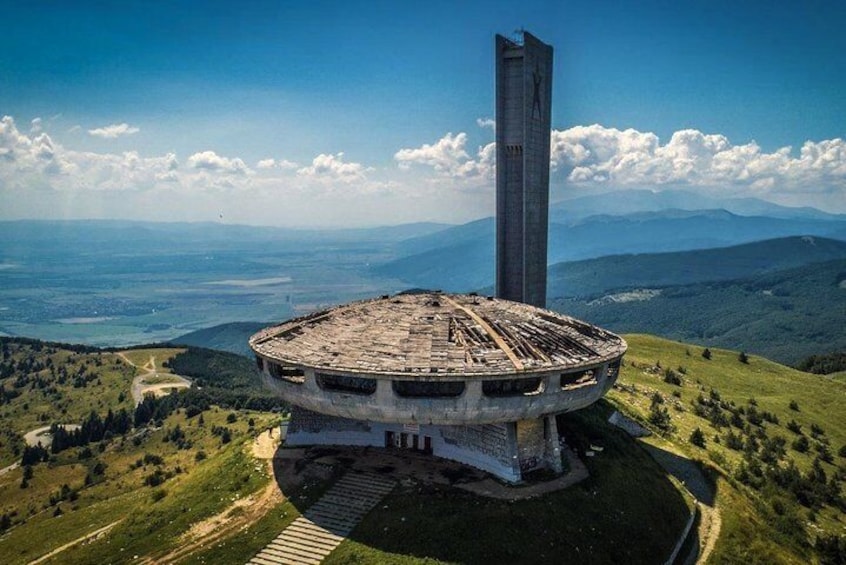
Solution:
(435, 333)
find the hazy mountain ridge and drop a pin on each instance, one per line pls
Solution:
(785, 315)
(594, 276)
(461, 259)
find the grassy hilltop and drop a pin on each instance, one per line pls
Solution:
(183, 483)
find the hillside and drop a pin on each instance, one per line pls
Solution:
(772, 440)
(147, 491)
(787, 315)
(652, 270)
(138, 475)
(461, 259)
(230, 337)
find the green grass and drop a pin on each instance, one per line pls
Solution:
(627, 496)
(596, 519)
(751, 531)
(141, 357)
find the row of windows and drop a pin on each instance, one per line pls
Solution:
(435, 389)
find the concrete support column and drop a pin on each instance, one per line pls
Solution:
(553, 450)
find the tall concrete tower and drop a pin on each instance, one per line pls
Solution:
(523, 104)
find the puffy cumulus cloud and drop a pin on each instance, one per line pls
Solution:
(113, 131)
(328, 167)
(449, 157)
(36, 125)
(283, 164)
(486, 123)
(596, 154)
(37, 162)
(211, 161)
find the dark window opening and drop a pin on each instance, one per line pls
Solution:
(513, 387)
(428, 389)
(613, 369)
(293, 375)
(573, 380)
(343, 383)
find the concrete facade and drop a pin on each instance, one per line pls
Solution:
(472, 379)
(523, 107)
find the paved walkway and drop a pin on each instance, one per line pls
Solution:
(315, 534)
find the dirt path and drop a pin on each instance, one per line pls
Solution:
(695, 482)
(40, 435)
(9, 469)
(140, 386)
(238, 515)
(709, 532)
(83, 539)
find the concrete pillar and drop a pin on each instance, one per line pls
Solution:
(553, 449)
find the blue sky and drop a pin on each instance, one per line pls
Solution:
(371, 111)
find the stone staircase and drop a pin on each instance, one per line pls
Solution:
(321, 528)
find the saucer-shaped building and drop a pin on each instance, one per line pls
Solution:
(469, 378)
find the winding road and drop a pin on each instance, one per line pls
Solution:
(140, 386)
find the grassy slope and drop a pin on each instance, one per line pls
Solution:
(596, 519)
(599, 517)
(199, 488)
(748, 532)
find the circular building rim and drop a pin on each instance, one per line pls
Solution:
(437, 336)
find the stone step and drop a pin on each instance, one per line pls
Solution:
(288, 551)
(284, 557)
(332, 511)
(261, 560)
(323, 517)
(292, 554)
(365, 485)
(317, 545)
(315, 531)
(311, 541)
(306, 550)
(364, 479)
(321, 528)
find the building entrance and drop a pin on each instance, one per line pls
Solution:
(405, 440)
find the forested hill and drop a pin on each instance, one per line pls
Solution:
(785, 316)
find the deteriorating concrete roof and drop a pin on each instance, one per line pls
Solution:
(433, 333)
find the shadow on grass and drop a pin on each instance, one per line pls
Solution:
(685, 470)
(627, 511)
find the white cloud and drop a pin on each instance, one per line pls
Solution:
(486, 123)
(333, 167)
(35, 126)
(283, 164)
(596, 154)
(113, 131)
(449, 158)
(211, 161)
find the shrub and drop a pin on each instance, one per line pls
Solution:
(706, 353)
(801, 444)
(794, 427)
(671, 377)
(794, 405)
(200, 455)
(231, 418)
(158, 494)
(743, 358)
(697, 438)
